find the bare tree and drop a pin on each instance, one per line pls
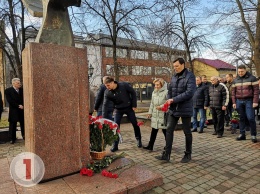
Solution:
(116, 17)
(241, 20)
(253, 35)
(12, 17)
(182, 31)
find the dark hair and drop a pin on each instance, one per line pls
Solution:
(230, 75)
(108, 80)
(181, 61)
(241, 67)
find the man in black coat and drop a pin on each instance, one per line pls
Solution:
(14, 96)
(125, 102)
(180, 92)
(99, 102)
(218, 101)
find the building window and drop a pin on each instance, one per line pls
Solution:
(110, 70)
(109, 52)
(135, 54)
(160, 56)
(121, 53)
(163, 71)
(141, 70)
(123, 70)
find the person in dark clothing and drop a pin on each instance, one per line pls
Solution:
(180, 92)
(200, 104)
(99, 102)
(218, 102)
(14, 96)
(207, 84)
(125, 102)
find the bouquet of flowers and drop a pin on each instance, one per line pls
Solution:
(103, 132)
(235, 117)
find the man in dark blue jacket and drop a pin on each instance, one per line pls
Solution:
(125, 102)
(99, 102)
(200, 104)
(180, 93)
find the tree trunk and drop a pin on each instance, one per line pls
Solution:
(257, 40)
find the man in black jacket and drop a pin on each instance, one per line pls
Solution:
(200, 104)
(14, 96)
(218, 102)
(99, 102)
(125, 102)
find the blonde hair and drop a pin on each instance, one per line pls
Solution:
(161, 80)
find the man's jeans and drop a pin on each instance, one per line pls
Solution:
(246, 110)
(195, 120)
(132, 118)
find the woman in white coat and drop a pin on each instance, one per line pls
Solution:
(159, 97)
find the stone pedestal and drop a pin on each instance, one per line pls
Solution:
(55, 81)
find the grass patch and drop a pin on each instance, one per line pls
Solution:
(4, 123)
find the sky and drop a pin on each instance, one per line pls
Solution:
(217, 38)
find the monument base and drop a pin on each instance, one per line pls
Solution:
(55, 81)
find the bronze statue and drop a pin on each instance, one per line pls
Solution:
(56, 27)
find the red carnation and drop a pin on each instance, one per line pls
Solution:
(140, 123)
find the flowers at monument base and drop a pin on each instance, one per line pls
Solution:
(99, 165)
(235, 117)
(109, 174)
(103, 132)
(86, 171)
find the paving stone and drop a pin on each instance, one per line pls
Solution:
(221, 188)
(168, 186)
(178, 189)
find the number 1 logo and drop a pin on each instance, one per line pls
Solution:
(27, 169)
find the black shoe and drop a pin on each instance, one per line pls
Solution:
(114, 146)
(214, 133)
(219, 136)
(194, 130)
(186, 158)
(12, 142)
(148, 148)
(139, 143)
(114, 149)
(227, 124)
(253, 139)
(200, 131)
(241, 137)
(164, 156)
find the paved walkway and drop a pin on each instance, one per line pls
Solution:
(219, 165)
